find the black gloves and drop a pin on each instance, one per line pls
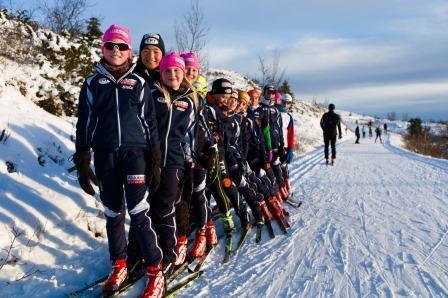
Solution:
(153, 160)
(85, 173)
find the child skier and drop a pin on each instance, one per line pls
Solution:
(116, 118)
(289, 140)
(175, 103)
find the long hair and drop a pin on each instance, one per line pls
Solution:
(185, 83)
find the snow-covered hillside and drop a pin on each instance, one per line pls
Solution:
(50, 231)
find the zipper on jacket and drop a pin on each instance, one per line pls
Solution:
(167, 133)
(118, 116)
(94, 129)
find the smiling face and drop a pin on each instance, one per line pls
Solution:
(242, 107)
(221, 100)
(173, 77)
(269, 95)
(232, 104)
(151, 57)
(112, 53)
(255, 97)
(191, 73)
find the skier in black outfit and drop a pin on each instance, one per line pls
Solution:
(378, 134)
(358, 135)
(329, 122)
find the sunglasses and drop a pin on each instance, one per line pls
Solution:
(112, 45)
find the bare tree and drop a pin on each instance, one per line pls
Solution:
(264, 70)
(65, 15)
(277, 73)
(271, 73)
(191, 33)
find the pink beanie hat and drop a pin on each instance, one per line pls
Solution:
(278, 97)
(191, 60)
(117, 32)
(172, 60)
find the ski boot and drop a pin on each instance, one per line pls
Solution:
(212, 239)
(265, 211)
(228, 223)
(181, 250)
(116, 278)
(155, 286)
(244, 218)
(200, 243)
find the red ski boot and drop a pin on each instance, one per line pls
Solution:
(212, 239)
(117, 277)
(288, 185)
(155, 286)
(200, 243)
(284, 192)
(181, 249)
(265, 210)
(275, 206)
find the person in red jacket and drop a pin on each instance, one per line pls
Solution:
(289, 140)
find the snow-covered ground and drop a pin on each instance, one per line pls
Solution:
(375, 224)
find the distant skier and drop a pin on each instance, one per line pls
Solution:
(358, 135)
(363, 130)
(385, 128)
(378, 134)
(329, 122)
(370, 131)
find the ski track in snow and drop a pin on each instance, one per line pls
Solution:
(374, 224)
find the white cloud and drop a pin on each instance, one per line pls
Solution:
(432, 92)
(313, 55)
(220, 56)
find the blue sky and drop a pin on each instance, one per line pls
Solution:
(371, 57)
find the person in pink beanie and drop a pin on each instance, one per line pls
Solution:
(175, 102)
(192, 66)
(117, 121)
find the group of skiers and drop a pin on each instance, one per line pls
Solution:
(163, 147)
(378, 132)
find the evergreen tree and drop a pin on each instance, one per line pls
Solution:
(415, 127)
(285, 88)
(93, 31)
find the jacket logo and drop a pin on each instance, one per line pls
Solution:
(128, 83)
(103, 81)
(181, 104)
(136, 179)
(161, 99)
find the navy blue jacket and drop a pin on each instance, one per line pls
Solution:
(232, 142)
(115, 114)
(256, 146)
(176, 124)
(271, 116)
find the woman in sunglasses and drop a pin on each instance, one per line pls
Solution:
(116, 118)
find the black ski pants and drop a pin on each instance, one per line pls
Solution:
(163, 212)
(121, 174)
(327, 141)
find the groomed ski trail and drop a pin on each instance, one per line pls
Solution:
(374, 224)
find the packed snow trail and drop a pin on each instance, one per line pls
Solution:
(374, 224)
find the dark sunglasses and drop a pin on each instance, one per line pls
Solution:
(111, 46)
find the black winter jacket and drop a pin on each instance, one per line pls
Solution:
(115, 114)
(176, 125)
(330, 120)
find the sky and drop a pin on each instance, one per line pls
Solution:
(370, 57)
